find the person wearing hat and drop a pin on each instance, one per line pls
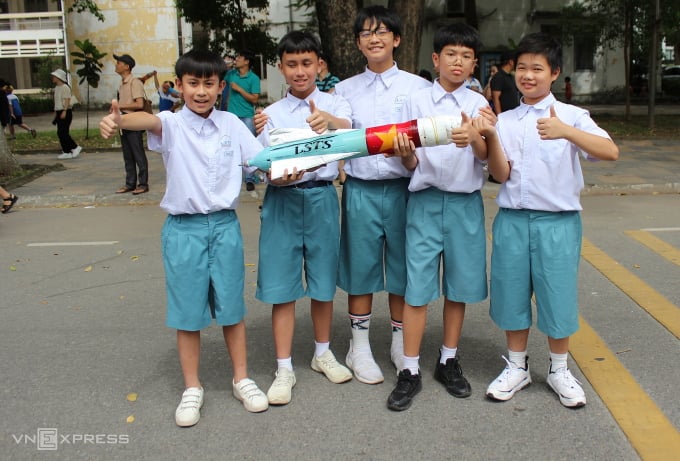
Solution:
(63, 115)
(131, 99)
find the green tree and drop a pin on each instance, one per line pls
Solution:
(90, 6)
(233, 27)
(89, 58)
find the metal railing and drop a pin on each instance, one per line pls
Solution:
(28, 35)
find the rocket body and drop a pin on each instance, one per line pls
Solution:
(318, 150)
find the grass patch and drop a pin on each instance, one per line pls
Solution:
(666, 126)
(47, 141)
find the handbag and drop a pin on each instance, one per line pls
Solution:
(147, 105)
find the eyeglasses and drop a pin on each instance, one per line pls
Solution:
(379, 33)
(452, 58)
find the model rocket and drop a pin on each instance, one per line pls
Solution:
(310, 152)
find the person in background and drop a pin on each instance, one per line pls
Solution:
(244, 91)
(493, 70)
(15, 113)
(8, 200)
(567, 89)
(325, 80)
(63, 115)
(169, 98)
(131, 99)
(224, 98)
(426, 74)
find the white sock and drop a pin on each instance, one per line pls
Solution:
(285, 363)
(321, 348)
(518, 358)
(447, 353)
(558, 361)
(411, 364)
(397, 334)
(360, 327)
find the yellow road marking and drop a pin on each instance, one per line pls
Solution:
(649, 431)
(657, 245)
(660, 308)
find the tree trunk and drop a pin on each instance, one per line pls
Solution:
(8, 164)
(411, 14)
(337, 37)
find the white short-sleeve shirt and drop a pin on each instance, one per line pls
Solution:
(203, 160)
(545, 174)
(448, 168)
(378, 99)
(292, 112)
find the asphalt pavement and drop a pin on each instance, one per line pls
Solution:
(90, 372)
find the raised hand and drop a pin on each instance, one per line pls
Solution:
(318, 120)
(461, 136)
(551, 127)
(109, 124)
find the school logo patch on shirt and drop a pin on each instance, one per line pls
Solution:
(399, 102)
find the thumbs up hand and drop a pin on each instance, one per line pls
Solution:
(109, 124)
(551, 127)
(318, 120)
(461, 136)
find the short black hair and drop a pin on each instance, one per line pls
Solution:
(375, 15)
(507, 56)
(200, 63)
(248, 55)
(298, 41)
(457, 33)
(545, 45)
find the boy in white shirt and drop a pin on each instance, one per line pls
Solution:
(533, 152)
(444, 217)
(203, 150)
(300, 225)
(375, 192)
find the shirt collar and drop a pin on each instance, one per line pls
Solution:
(439, 93)
(387, 77)
(195, 121)
(294, 102)
(540, 107)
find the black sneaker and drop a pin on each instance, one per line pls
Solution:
(451, 376)
(407, 387)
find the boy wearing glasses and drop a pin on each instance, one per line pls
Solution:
(375, 192)
(444, 216)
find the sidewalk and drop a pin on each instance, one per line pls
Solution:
(644, 166)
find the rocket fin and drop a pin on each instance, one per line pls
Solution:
(307, 163)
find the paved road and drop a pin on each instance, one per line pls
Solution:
(82, 331)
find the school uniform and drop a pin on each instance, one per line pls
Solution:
(445, 212)
(203, 158)
(299, 222)
(375, 192)
(537, 232)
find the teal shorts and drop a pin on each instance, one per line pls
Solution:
(204, 271)
(536, 252)
(373, 235)
(299, 229)
(445, 227)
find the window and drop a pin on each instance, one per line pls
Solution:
(584, 53)
(455, 7)
(256, 3)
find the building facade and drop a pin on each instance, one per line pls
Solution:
(153, 33)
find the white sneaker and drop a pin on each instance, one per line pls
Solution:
(64, 155)
(397, 351)
(252, 397)
(280, 392)
(76, 152)
(329, 366)
(567, 388)
(364, 366)
(189, 409)
(512, 379)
